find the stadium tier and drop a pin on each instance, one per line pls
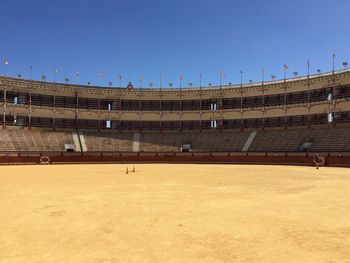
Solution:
(318, 138)
(306, 114)
(319, 99)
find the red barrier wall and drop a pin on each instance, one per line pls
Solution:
(332, 159)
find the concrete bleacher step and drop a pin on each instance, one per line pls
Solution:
(76, 141)
(84, 147)
(136, 142)
(249, 141)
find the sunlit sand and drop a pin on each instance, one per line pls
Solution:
(174, 213)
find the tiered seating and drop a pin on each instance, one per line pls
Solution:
(14, 139)
(6, 142)
(156, 142)
(277, 140)
(321, 139)
(108, 141)
(200, 141)
(336, 139)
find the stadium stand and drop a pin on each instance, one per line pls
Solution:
(299, 115)
(318, 138)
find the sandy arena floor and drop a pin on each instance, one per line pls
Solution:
(174, 213)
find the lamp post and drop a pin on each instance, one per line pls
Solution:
(345, 64)
(273, 77)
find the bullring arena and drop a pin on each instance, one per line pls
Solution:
(222, 174)
(174, 213)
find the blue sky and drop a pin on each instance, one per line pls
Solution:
(189, 37)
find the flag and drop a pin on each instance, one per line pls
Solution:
(285, 66)
(120, 77)
(141, 77)
(100, 74)
(78, 74)
(181, 77)
(222, 74)
(334, 56)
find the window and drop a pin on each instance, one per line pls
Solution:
(330, 97)
(213, 106)
(108, 124)
(330, 117)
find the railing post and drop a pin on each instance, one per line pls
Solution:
(4, 109)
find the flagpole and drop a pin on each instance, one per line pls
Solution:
(241, 77)
(141, 79)
(285, 67)
(6, 62)
(56, 71)
(30, 72)
(308, 68)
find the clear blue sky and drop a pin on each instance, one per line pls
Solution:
(153, 37)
